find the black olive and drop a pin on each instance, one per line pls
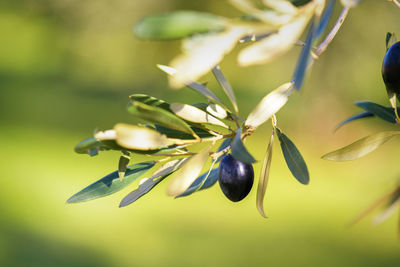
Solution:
(391, 69)
(235, 178)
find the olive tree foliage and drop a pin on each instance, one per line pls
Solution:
(169, 130)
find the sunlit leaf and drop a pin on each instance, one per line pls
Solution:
(217, 111)
(385, 113)
(390, 40)
(361, 147)
(201, 53)
(282, 6)
(325, 19)
(269, 105)
(263, 182)
(188, 173)
(358, 116)
(123, 164)
(148, 184)
(304, 58)
(293, 158)
(160, 116)
(111, 183)
(193, 114)
(90, 146)
(179, 24)
(279, 43)
(140, 138)
(225, 86)
(239, 151)
(350, 3)
(204, 181)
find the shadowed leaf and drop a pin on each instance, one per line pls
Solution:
(204, 181)
(358, 116)
(239, 151)
(227, 142)
(123, 164)
(293, 158)
(304, 58)
(385, 113)
(148, 184)
(269, 105)
(361, 147)
(150, 100)
(90, 146)
(171, 133)
(225, 86)
(176, 25)
(263, 181)
(188, 173)
(111, 183)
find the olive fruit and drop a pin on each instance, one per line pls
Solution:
(235, 178)
(391, 69)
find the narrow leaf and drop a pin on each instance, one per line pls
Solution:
(188, 173)
(170, 133)
(111, 183)
(393, 206)
(239, 151)
(293, 158)
(176, 25)
(361, 147)
(149, 183)
(204, 181)
(90, 146)
(384, 113)
(361, 115)
(123, 164)
(225, 86)
(193, 114)
(160, 116)
(269, 105)
(226, 143)
(140, 138)
(325, 19)
(217, 111)
(263, 182)
(282, 6)
(304, 58)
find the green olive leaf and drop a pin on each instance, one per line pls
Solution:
(170, 133)
(269, 105)
(217, 111)
(123, 164)
(239, 151)
(225, 86)
(384, 113)
(177, 25)
(304, 58)
(323, 23)
(147, 184)
(361, 147)
(204, 181)
(361, 115)
(188, 173)
(160, 116)
(263, 182)
(193, 114)
(150, 100)
(111, 183)
(139, 138)
(90, 146)
(293, 158)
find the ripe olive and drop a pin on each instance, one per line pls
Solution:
(391, 69)
(235, 178)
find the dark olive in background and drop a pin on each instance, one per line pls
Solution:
(391, 69)
(235, 178)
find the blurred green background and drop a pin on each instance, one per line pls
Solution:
(67, 67)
